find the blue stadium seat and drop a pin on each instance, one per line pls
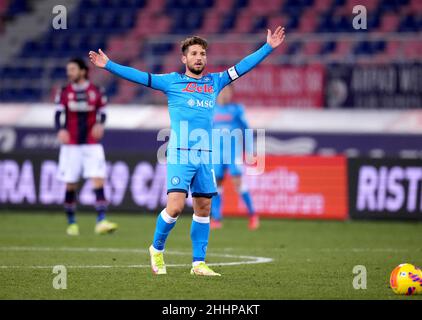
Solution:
(260, 24)
(293, 48)
(343, 24)
(16, 7)
(58, 73)
(392, 5)
(111, 89)
(186, 22)
(240, 3)
(410, 24)
(369, 48)
(161, 48)
(228, 22)
(328, 47)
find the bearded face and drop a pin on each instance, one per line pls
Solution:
(195, 59)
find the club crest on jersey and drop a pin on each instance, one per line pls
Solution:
(175, 180)
(199, 88)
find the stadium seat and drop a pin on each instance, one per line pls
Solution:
(133, 30)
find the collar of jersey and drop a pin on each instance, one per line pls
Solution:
(81, 86)
(184, 74)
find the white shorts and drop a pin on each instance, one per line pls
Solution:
(86, 159)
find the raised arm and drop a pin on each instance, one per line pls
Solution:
(251, 61)
(102, 61)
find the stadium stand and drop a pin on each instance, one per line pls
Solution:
(145, 33)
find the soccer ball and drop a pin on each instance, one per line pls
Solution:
(406, 279)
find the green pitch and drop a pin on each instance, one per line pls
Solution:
(284, 259)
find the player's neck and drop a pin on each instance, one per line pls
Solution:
(193, 75)
(80, 81)
(80, 84)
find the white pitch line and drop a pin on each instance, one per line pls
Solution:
(251, 259)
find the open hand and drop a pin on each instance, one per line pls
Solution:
(98, 59)
(276, 38)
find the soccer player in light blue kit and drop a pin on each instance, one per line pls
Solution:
(191, 98)
(229, 117)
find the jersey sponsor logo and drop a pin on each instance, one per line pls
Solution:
(82, 101)
(191, 102)
(199, 88)
(80, 106)
(205, 103)
(200, 103)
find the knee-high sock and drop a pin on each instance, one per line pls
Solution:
(216, 206)
(199, 233)
(248, 202)
(163, 227)
(70, 206)
(100, 204)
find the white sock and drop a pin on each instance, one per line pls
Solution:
(156, 250)
(166, 217)
(195, 263)
(200, 219)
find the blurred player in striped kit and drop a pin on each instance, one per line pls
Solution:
(79, 121)
(230, 116)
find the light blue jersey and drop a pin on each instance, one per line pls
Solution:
(227, 118)
(191, 105)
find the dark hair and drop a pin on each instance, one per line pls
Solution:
(185, 44)
(80, 62)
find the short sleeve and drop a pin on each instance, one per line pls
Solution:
(59, 99)
(102, 98)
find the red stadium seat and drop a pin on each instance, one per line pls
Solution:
(343, 48)
(370, 5)
(156, 19)
(389, 22)
(243, 22)
(412, 49)
(322, 6)
(277, 20)
(262, 8)
(223, 6)
(211, 23)
(308, 22)
(311, 48)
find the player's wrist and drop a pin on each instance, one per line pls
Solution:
(108, 64)
(268, 46)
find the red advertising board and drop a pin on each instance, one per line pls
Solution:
(282, 86)
(296, 187)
